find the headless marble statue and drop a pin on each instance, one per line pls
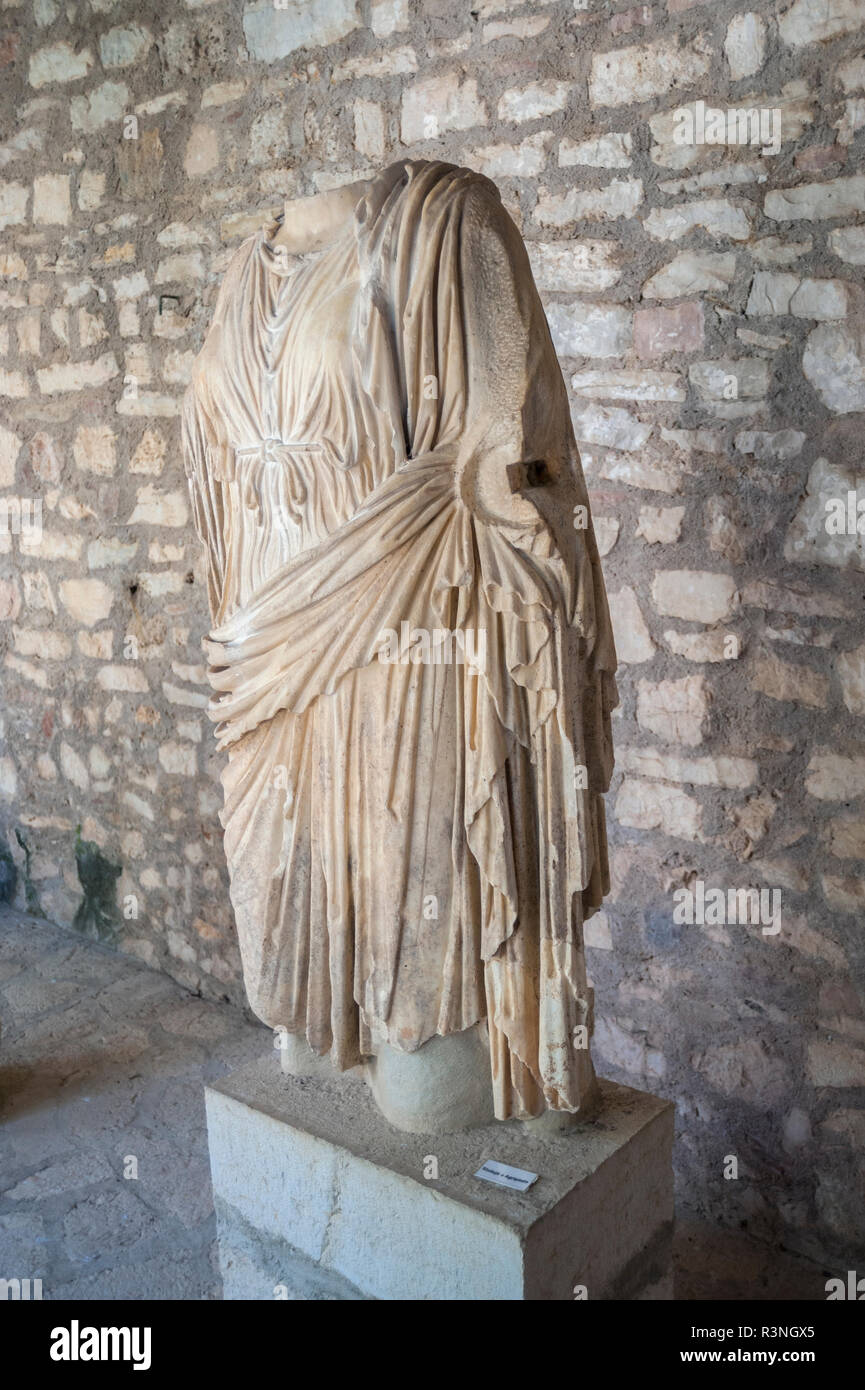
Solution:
(411, 652)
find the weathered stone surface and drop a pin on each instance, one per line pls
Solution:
(109, 551)
(178, 759)
(701, 596)
(777, 293)
(848, 244)
(675, 710)
(124, 45)
(10, 449)
(59, 62)
(781, 680)
(851, 673)
(844, 893)
(369, 129)
(274, 32)
(149, 456)
(834, 363)
(77, 376)
(10, 599)
(726, 529)
(814, 536)
(392, 63)
(834, 777)
(633, 640)
(692, 272)
(590, 330)
(577, 266)
(88, 601)
(658, 332)
(654, 806)
(845, 837)
(628, 75)
(185, 268)
(744, 1069)
(769, 446)
(718, 216)
(51, 201)
(731, 381)
(103, 106)
(790, 599)
(804, 22)
(703, 646)
(653, 472)
(436, 104)
(94, 450)
(745, 44)
(606, 530)
(14, 198)
(139, 164)
(832, 1062)
(611, 426)
(660, 525)
(389, 17)
(159, 508)
(843, 197)
(735, 773)
(536, 100)
(628, 385)
(620, 198)
(774, 250)
(611, 151)
(126, 678)
(202, 152)
(523, 160)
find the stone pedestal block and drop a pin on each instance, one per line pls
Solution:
(317, 1197)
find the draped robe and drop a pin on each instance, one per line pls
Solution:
(413, 845)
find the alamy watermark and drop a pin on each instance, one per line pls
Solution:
(845, 516)
(21, 516)
(77, 1343)
(745, 125)
(438, 646)
(852, 1289)
(717, 907)
(21, 1290)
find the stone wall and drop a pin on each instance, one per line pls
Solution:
(704, 295)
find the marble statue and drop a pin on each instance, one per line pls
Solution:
(411, 653)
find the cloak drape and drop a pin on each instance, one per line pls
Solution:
(413, 844)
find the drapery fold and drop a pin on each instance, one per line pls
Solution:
(453, 376)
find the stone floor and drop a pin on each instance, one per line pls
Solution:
(103, 1060)
(102, 1065)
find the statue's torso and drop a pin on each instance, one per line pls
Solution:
(292, 433)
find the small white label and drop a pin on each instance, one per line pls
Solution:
(503, 1175)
